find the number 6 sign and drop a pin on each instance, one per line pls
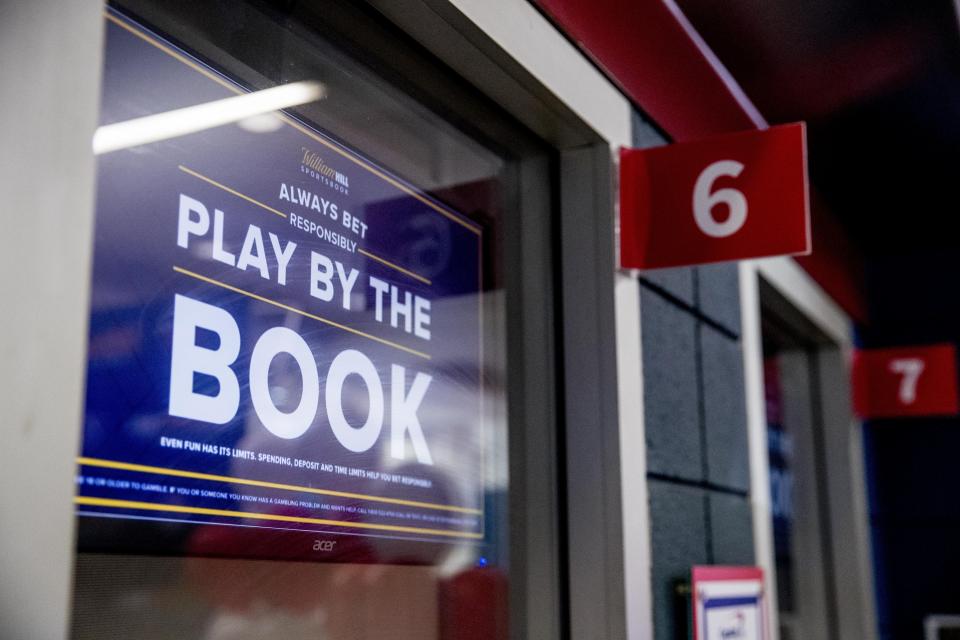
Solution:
(732, 197)
(704, 201)
(906, 381)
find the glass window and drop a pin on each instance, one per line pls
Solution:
(295, 420)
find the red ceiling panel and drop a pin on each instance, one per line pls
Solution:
(656, 57)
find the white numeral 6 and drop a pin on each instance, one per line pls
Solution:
(704, 201)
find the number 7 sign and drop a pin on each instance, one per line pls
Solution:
(732, 197)
(906, 381)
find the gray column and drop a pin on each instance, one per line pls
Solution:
(49, 93)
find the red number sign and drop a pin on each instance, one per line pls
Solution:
(731, 197)
(908, 381)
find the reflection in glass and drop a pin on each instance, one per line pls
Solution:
(295, 412)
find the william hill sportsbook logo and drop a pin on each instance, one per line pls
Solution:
(314, 166)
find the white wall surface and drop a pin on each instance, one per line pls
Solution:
(49, 88)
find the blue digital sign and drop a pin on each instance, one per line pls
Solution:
(274, 342)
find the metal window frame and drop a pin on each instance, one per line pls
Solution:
(934, 624)
(515, 56)
(842, 466)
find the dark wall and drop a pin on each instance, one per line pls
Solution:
(914, 477)
(696, 429)
(913, 471)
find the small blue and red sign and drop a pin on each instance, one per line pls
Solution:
(729, 603)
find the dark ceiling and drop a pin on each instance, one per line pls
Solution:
(878, 83)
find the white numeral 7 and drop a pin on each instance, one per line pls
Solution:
(910, 369)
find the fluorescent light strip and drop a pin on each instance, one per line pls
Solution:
(180, 122)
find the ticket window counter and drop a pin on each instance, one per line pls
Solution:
(818, 549)
(322, 394)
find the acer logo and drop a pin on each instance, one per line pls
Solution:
(324, 545)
